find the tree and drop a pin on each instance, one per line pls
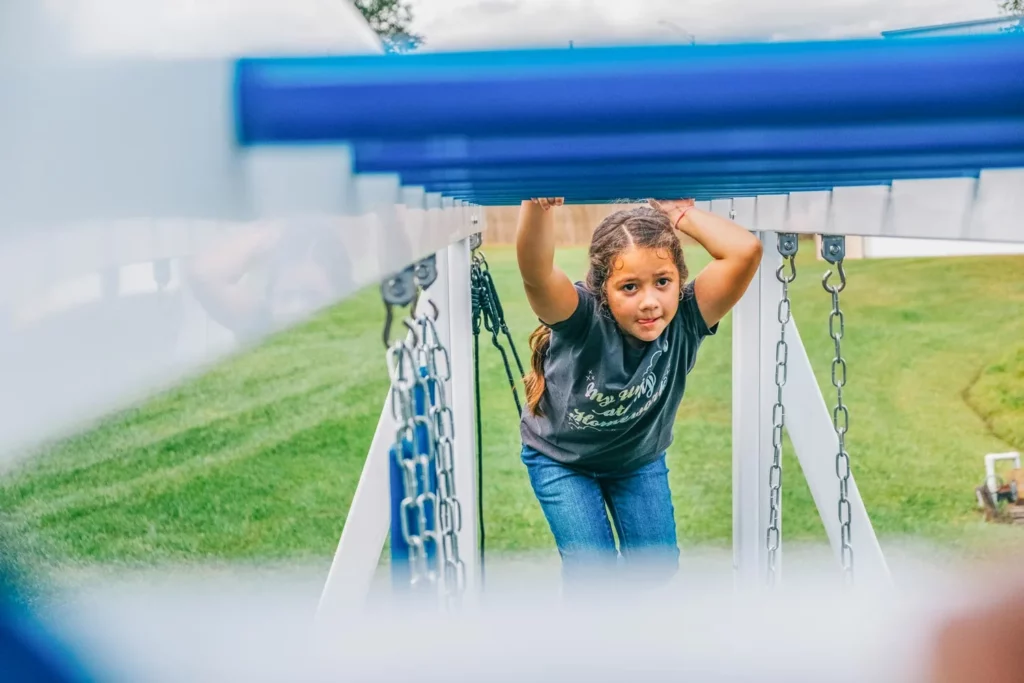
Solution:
(1012, 6)
(391, 19)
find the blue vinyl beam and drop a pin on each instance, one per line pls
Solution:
(602, 192)
(597, 189)
(814, 169)
(454, 152)
(549, 188)
(483, 126)
(628, 89)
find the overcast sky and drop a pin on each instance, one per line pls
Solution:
(453, 24)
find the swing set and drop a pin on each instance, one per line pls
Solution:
(920, 138)
(917, 138)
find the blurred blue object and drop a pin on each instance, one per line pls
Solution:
(28, 652)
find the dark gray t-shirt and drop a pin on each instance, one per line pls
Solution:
(610, 403)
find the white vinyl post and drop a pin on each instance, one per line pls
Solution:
(755, 333)
(366, 527)
(745, 441)
(464, 400)
(451, 293)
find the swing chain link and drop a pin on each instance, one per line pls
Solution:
(833, 250)
(424, 439)
(787, 246)
(414, 465)
(442, 430)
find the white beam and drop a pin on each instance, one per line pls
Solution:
(753, 370)
(942, 207)
(988, 209)
(451, 294)
(998, 213)
(463, 401)
(746, 444)
(155, 141)
(366, 528)
(859, 210)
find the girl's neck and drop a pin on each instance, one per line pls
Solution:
(633, 342)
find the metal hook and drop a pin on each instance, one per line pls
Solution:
(398, 290)
(842, 280)
(412, 330)
(481, 261)
(833, 250)
(389, 321)
(786, 279)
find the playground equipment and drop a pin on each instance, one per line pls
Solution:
(371, 169)
(993, 482)
(877, 171)
(998, 489)
(920, 139)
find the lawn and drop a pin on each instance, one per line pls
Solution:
(258, 459)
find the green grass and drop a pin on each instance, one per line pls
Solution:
(258, 459)
(998, 397)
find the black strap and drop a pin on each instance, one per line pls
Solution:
(479, 456)
(488, 314)
(500, 318)
(494, 322)
(475, 297)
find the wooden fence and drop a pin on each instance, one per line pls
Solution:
(575, 224)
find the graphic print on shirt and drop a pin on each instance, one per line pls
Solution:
(598, 409)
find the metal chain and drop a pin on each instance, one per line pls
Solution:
(419, 366)
(413, 447)
(442, 428)
(833, 250)
(441, 433)
(414, 457)
(787, 245)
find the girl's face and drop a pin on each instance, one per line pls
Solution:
(643, 291)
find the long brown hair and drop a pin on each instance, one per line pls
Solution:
(642, 226)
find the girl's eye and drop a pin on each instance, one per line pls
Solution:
(664, 281)
(629, 287)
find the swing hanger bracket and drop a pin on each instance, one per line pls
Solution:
(789, 244)
(397, 291)
(403, 289)
(425, 271)
(833, 248)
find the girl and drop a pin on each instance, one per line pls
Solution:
(609, 368)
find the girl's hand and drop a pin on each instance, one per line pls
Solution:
(736, 253)
(552, 295)
(675, 209)
(547, 202)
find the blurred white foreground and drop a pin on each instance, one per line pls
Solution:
(233, 624)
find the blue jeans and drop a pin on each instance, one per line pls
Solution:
(578, 505)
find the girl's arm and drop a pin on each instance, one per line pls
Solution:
(551, 293)
(736, 251)
(215, 276)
